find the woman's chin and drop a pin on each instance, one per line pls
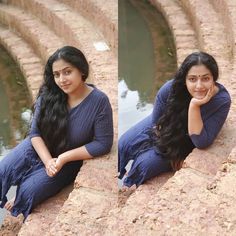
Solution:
(199, 96)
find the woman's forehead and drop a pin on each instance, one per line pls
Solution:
(199, 70)
(60, 65)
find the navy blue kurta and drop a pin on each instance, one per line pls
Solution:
(148, 161)
(90, 124)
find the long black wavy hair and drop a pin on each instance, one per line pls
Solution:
(53, 114)
(172, 127)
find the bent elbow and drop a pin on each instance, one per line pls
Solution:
(203, 145)
(105, 149)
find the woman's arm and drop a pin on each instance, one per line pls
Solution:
(76, 154)
(44, 155)
(102, 140)
(39, 145)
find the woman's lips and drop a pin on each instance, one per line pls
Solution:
(65, 86)
(200, 93)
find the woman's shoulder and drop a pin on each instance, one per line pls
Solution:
(220, 101)
(165, 89)
(98, 95)
(222, 94)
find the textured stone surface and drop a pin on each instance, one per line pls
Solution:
(99, 174)
(82, 212)
(11, 226)
(38, 223)
(184, 205)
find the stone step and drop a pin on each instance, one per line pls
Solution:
(103, 14)
(39, 222)
(88, 210)
(225, 10)
(190, 203)
(31, 29)
(94, 195)
(184, 35)
(211, 34)
(77, 31)
(29, 63)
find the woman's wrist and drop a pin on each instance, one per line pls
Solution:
(194, 103)
(62, 158)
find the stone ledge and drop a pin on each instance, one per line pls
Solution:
(103, 14)
(185, 205)
(87, 209)
(100, 174)
(39, 222)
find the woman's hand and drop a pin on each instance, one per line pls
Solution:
(50, 167)
(211, 92)
(60, 162)
(54, 165)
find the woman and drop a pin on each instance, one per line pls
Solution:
(72, 122)
(189, 112)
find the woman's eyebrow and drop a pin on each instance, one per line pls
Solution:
(67, 67)
(199, 75)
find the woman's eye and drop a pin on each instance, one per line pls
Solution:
(192, 79)
(67, 72)
(206, 79)
(56, 75)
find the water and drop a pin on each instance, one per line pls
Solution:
(14, 108)
(146, 59)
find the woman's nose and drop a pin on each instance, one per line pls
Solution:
(61, 78)
(199, 84)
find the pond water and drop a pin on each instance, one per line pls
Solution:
(146, 59)
(15, 104)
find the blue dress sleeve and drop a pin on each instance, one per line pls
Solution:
(212, 124)
(103, 130)
(161, 101)
(34, 131)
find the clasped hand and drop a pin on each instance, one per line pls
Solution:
(211, 92)
(53, 166)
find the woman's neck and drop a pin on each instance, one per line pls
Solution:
(79, 95)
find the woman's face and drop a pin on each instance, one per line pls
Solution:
(198, 81)
(67, 77)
